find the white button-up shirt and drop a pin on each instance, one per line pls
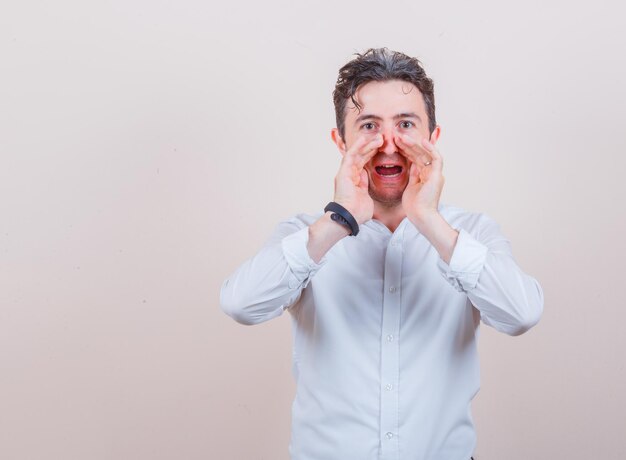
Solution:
(384, 332)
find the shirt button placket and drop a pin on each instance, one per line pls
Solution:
(390, 371)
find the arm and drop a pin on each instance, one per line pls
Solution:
(480, 264)
(273, 280)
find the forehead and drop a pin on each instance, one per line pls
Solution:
(386, 99)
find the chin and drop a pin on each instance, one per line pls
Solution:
(389, 204)
(388, 201)
(387, 196)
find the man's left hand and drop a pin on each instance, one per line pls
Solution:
(420, 199)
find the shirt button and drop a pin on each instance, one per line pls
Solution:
(390, 338)
(389, 387)
(392, 289)
(389, 435)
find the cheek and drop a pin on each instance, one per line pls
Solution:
(355, 133)
(418, 134)
(348, 140)
(369, 167)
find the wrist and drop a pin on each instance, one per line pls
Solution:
(323, 234)
(425, 219)
(343, 216)
(326, 228)
(438, 232)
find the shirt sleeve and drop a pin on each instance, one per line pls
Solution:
(482, 266)
(271, 281)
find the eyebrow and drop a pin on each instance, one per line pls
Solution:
(367, 116)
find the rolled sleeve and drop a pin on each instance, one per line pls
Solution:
(296, 254)
(466, 263)
(272, 280)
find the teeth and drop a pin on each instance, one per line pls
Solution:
(387, 166)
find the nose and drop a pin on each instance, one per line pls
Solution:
(389, 146)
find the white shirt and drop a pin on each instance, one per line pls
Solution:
(384, 332)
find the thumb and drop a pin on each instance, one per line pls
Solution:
(413, 175)
(364, 180)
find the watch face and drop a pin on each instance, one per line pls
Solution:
(337, 218)
(340, 220)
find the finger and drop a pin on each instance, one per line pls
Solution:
(435, 156)
(368, 154)
(354, 160)
(421, 150)
(364, 145)
(350, 154)
(412, 149)
(369, 150)
(362, 153)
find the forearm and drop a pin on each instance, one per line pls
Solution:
(482, 266)
(509, 300)
(260, 289)
(323, 235)
(271, 281)
(439, 232)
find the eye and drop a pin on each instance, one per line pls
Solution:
(368, 126)
(406, 124)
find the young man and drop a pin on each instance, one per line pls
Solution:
(386, 289)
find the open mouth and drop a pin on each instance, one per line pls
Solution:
(389, 170)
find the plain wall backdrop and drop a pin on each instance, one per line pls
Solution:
(147, 148)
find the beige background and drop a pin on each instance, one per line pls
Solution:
(149, 147)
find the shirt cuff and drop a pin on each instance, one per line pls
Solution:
(466, 263)
(297, 255)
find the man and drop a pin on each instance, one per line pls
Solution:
(387, 288)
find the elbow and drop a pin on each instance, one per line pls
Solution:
(531, 316)
(518, 315)
(230, 306)
(240, 315)
(236, 310)
(236, 313)
(525, 323)
(248, 315)
(530, 313)
(242, 310)
(518, 322)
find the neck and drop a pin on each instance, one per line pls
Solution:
(389, 214)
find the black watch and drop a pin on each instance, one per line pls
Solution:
(342, 216)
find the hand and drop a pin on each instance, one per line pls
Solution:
(420, 199)
(351, 181)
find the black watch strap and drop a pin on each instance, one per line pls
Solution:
(342, 216)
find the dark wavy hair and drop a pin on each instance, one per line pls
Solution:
(381, 64)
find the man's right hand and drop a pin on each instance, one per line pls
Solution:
(351, 182)
(351, 192)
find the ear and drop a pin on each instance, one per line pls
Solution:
(434, 137)
(336, 137)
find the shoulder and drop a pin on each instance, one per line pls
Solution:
(301, 220)
(293, 224)
(471, 221)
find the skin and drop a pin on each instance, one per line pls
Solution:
(390, 128)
